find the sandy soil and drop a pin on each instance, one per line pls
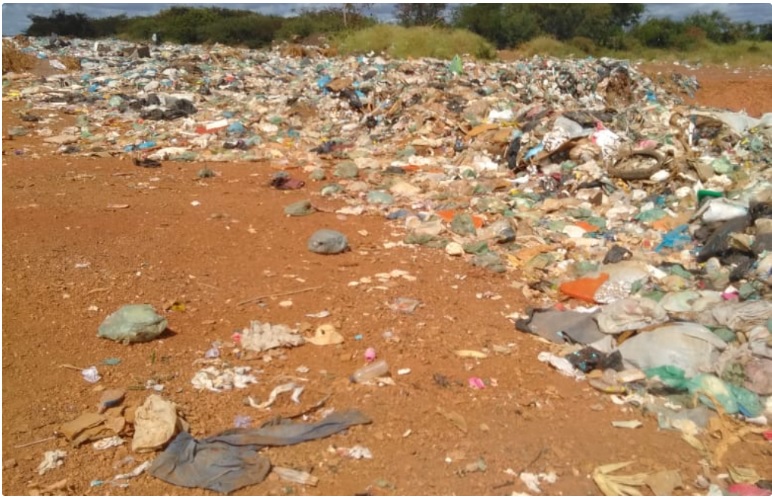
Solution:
(69, 260)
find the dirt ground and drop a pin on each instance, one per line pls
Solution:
(69, 260)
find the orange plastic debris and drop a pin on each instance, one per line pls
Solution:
(448, 214)
(583, 288)
(588, 227)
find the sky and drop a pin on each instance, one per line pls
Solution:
(15, 18)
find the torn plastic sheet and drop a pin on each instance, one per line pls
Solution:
(561, 326)
(231, 460)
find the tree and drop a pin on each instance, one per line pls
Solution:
(504, 24)
(718, 27)
(60, 22)
(356, 10)
(420, 14)
(626, 15)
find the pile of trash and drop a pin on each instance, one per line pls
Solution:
(639, 227)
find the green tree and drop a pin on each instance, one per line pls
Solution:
(662, 33)
(109, 26)
(60, 22)
(420, 14)
(718, 27)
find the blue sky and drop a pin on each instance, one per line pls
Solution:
(15, 15)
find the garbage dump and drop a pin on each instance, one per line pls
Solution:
(639, 228)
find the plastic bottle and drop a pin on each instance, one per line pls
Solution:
(369, 372)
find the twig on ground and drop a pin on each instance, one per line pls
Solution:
(278, 294)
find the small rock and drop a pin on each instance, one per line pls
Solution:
(9, 463)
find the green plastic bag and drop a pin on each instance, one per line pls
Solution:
(733, 399)
(456, 66)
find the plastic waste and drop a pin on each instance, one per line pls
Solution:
(230, 461)
(155, 424)
(370, 372)
(689, 346)
(720, 209)
(630, 314)
(91, 375)
(133, 323)
(327, 241)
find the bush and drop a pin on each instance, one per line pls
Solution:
(415, 42)
(584, 44)
(547, 46)
(252, 31)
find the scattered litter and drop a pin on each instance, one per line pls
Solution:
(218, 380)
(242, 421)
(51, 460)
(627, 424)
(230, 461)
(133, 323)
(562, 365)
(213, 352)
(281, 389)
(404, 305)
(139, 470)
(110, 442)
(370, 372)
(156, 422)
(91, 375)
(468, 353)
(321, 314)
(110, 398)
(326, 335)
(328, 242)
(264, 336)
(476, 383)
(532, 481)
(618, 485)
(357, 452)
(296, 476)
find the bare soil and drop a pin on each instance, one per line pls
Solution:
(69, 260)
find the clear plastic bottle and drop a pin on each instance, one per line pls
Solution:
(369, 372)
